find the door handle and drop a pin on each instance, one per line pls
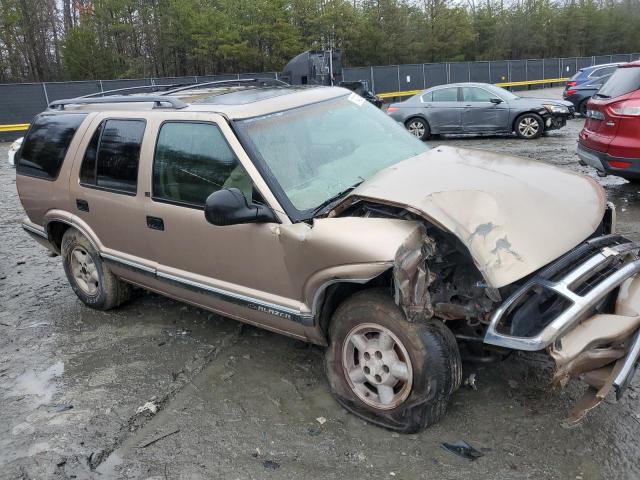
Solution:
(155, 223)
(82, 205)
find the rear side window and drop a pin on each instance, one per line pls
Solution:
(46, 144)
(603, 71)
(624, 80)
(192, 161)
(112, 156)
(446, 95)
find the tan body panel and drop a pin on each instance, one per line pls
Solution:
(514, 215)
(287, 266)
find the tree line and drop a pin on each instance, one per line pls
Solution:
(45, 40)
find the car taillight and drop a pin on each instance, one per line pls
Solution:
(570, 92)
(571, 83)
(619, 164)
(392, 109)
(630, 108)
(595, 114)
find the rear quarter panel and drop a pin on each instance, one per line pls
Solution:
(39, 195)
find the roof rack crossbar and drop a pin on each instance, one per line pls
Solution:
(156, 100)
(153, 88)
(217, 83)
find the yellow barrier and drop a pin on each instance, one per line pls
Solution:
(14, 128)
(408, 93)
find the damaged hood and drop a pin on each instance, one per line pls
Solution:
(514, 215)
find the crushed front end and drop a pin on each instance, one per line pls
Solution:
(584, 309)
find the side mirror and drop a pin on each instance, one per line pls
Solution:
(496, 100)
(230, 207)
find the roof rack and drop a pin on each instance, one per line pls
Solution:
(157, 101)
(153, 88)
(237, 81)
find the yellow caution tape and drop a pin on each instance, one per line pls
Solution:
(14, 128)
(408, 93)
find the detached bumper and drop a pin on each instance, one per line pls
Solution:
(559, 309)
(553, 121)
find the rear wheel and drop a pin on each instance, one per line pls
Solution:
(90, 279)
(529, 126)
(418, 127)
(583, 107)
(391, 372)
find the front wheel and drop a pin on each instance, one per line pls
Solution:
(419, 128)
(391, 372)
(529, 126)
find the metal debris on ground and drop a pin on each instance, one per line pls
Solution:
(470, 381)
(270, 465)
(150, 406)
(59, 408)
(462, 449)
(156, 439)
(321, 420)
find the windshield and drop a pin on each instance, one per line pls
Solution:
(319, 151)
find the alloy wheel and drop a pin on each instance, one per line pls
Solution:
(417, 128)
(377, 366)
(528, 127)
(84, 271)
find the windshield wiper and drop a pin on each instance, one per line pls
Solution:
(600, 95)
(331, 201)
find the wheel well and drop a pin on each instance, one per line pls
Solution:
(339, 292)
(55, 231)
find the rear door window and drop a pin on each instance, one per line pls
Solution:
(112, 156)
(446, 95)
(623, 81)
(46, 144)
(193, 160)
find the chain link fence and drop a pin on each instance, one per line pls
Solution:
(402, 78)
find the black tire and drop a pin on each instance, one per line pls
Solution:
(583, 107)
(110, 291)
(528, 119)
(432, 350)
(418, 127)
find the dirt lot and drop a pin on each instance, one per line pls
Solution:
(237, 402)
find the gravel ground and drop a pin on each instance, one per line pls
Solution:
(237, 402)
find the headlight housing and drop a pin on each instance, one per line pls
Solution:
(555, 108)
(15, 146)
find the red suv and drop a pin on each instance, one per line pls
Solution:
(610, 139)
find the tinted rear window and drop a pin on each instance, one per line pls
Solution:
(624, 80)
(111, 159)
(46, 144)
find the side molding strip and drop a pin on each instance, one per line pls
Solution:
(40, 233)
(225, 295)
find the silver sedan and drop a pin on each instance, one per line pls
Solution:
(479, 108)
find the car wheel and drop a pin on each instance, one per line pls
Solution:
(529, 126)
(583, 107)
(418, 127)
(89, 277)
(386, 370)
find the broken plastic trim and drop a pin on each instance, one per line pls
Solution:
(579, 306)
(411, 276)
